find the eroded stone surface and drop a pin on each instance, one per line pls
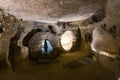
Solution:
(52, 10)
(106, 38)
(9, 30)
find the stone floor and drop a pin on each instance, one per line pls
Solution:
(56, 71)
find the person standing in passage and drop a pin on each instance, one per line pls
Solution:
(46, 47)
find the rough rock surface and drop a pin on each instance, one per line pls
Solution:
(52, 10)
(7, 23)
(106, 38)
(105, 42)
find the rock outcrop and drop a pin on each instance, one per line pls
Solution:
(106, 38)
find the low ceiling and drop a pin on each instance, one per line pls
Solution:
(52, 11)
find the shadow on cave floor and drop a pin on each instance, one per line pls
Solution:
(56, 71)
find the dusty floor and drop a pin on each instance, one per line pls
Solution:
(56, 71)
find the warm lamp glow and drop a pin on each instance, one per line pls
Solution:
(108, 54)
(67, 40)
